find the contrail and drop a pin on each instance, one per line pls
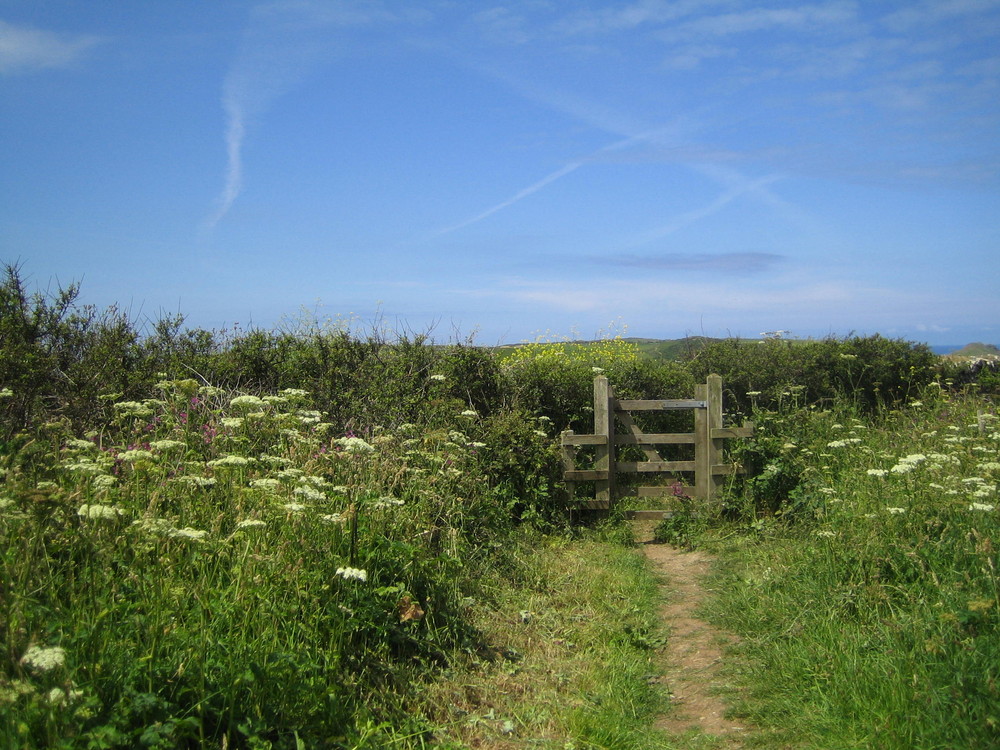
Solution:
(571, 167)
(235, 130)
(548, 179)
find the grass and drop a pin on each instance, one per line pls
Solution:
(868, 606)
(218, 569)
(574, 646)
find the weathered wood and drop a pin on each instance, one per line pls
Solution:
(702, 460)
(656, 438)
(604, 425)
(635, 432)
(593, 505)
(661, 404)
(714, 398)
(727, 469)
(707, 466)
(647, 467)
(587, 475)
(732, 432)
(570, 438)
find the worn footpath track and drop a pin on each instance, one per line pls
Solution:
(693, 655)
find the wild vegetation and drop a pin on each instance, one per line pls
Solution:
(315, 537)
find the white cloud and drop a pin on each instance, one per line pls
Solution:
(23, 48)
(281, 44)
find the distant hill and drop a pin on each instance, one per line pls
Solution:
(976, 350)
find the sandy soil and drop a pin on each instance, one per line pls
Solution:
(693, 654)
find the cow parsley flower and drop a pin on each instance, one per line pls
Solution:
(265, 483)
(249, 523)
(247, 402)
(876, 472)
(44, 658)
(294, 507)
(98, 511)
(195, 535)
(355, 574)
(354, 445)
(896, 511)
(985, 507)
(230, 461)
(135, 455)
(167, 445)
(308, 493)
(439, 378)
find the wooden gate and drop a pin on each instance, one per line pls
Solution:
(707, 438)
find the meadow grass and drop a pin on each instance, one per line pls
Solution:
(574, 647)
(222, 569)
(868, 601)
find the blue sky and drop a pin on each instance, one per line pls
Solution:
(515, 169)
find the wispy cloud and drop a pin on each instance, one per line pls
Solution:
(727, 263)
(282, 42)
(25, 48)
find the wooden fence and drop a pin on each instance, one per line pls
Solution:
(610, 411)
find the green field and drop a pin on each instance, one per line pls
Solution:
(319, 537)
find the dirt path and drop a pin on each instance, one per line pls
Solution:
(693, 654)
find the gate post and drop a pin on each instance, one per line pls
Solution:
(708, 449)
(604, 426)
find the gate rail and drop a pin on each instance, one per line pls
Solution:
(707, 438)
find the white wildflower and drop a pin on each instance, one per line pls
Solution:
(247, 402)
(308, 493)
(826, 533)
(44, 658)
(98, 511)
(230, 461)
(135, 455)
(104, 481)
(232, 423)
(133, 409)
(250, 523)
(6, 393)
(265, 483)
(333, 518)
(876, 472)
(896, 511)
(353, 573)
(469, 413)
(354, 445)
(985, 507)
(195, 481)
(294, 507)
(195, 535)
(439, 378)
(294, 392)
(167, 445)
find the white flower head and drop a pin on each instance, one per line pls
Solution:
(355, 574)
(250, 523)
(439, 377)
(354, 445)
(44, 658)
(247, 402)
(98, 511)
(984, 507)
(896, 511)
